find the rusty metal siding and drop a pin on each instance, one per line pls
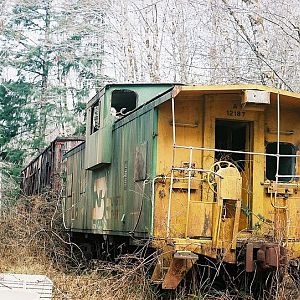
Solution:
(43, 173)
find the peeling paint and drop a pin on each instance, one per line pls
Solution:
(100, 188)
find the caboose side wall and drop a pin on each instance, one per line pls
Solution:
(289, 133)
(129, 190)
(109, 200)
(195, 118)
(75, 197)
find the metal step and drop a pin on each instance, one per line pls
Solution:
(185, 255)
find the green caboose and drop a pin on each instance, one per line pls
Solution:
(109, 176)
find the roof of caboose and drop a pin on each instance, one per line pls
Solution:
(193, 92)
(190, 91)
(159, 87)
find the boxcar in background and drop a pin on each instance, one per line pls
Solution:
(44, 172)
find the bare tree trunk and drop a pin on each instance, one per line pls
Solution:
(45, 72)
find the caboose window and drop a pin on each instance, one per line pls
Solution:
(95, 117)
(123, 101)
(286, 164)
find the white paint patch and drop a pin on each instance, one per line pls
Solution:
(100, 188)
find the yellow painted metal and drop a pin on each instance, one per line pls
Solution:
(216, 227)
(251, 214)
(230, 184)
(236, 224)
(229, 189)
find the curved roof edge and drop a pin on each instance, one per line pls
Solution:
(235, 88)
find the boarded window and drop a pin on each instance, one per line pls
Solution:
(95, 117)
(286, 164)
(123, 101)
(140, 162)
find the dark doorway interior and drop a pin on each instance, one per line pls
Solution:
(231, 135)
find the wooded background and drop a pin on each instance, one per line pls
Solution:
(55, 54)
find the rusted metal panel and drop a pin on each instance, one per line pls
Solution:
(261, 257)
(179, 266)
(249, 258)
(75, 209)
(43, 173)
(271, 255)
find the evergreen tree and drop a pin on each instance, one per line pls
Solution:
(17, 122)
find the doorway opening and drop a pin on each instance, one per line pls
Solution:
(236, 136)
(232, 135)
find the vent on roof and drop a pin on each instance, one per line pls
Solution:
(256, 97)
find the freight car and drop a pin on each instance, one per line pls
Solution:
(43, 173)
(197, 171)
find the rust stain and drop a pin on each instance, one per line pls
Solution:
(207, 224)
(177, 270)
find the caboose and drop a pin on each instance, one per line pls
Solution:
(197, 171)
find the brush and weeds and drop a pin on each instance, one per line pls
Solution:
(33, 241)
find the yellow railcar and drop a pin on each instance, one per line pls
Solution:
(229, 163)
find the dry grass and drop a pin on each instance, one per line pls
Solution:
(91, 284)
(34, 242)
